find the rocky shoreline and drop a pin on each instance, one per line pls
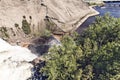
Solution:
(94, 13)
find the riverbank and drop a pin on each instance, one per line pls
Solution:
(75, 23)
(94, 3)
(93, 13)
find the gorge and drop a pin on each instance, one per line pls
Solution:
(63, 15)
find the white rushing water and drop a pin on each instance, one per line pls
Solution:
(14, 62)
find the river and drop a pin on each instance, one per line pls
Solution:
(113, 8)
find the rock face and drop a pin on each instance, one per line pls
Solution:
(62, 11)
(14, 62)
(64, 14)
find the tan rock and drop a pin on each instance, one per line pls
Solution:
(62, 12)
(66, 15)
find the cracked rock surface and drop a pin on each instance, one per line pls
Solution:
(64, 13)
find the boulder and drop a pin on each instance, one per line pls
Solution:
(15, 62)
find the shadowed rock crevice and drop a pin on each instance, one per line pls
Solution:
(40, 46)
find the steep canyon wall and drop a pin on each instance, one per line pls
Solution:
(64, 14)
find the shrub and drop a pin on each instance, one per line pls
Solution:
(4, 32)
(26, 27)
(92, 55)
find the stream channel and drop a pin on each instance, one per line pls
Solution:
(113, 8)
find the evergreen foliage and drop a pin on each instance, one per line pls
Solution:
(3, 30)
(92, 55)
(26, 27)
(47, 33)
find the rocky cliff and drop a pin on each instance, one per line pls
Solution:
(63, 14)
(14, 62)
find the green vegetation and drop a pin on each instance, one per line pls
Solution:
(92, 55)
(90, 4)
(4, 33)
(47, 33)
(63, 62)
(95, 4)
(44, 32)
(25, 27)
(50, 25)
